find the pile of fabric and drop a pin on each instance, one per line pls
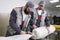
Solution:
(17, 37)
(42, 32)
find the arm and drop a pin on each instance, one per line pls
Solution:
(32, 21)
(47, 22)
(12, 21)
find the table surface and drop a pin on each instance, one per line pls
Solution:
(56, 26)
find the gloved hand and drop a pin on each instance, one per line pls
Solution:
(34, 26)
(48, 29)
(22, 32)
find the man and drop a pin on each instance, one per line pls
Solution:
(20, 19)
(41, 16)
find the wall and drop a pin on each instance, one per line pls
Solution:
(7, 5)
(54, 12)
(4, 20)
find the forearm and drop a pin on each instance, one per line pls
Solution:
(47, 21)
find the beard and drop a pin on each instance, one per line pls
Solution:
(26, 12)
(41, 8)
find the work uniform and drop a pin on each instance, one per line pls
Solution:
(42, 18)
(19, 21)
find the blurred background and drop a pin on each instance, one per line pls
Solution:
(52, 7)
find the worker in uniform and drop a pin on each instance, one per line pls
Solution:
(42, 17)
(20, 19)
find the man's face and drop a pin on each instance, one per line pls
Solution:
(41, 7)
(27, 10)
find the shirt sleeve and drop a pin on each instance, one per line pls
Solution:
(47, 20)
(31, 22)
(12, 21)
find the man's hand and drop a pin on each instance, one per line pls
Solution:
(22, 32)
(48, 29)
(29, 33)
(34, 26)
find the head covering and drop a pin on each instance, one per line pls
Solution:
(41, 3)
(30, 4)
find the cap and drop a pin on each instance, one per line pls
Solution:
(30, 4)
(41, 3)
